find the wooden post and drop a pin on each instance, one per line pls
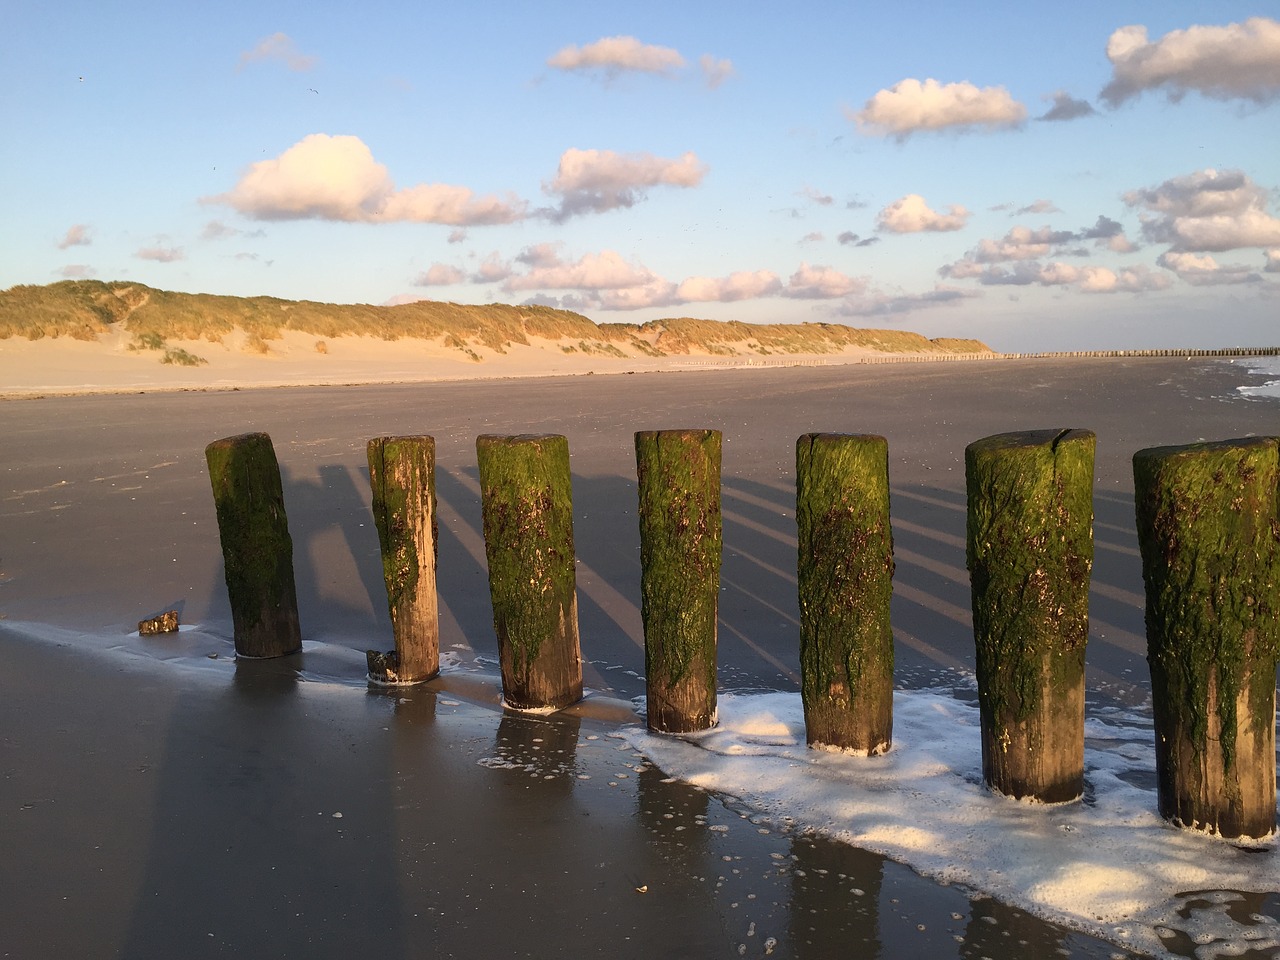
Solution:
(1209, 528)
(679, 489)
(527, 505)
(402, 475)
(257, 551)
(845, 565)
(1030, 551)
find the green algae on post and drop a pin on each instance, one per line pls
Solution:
(678, 475)
(257, 550)
(845, 567)
(527, 505)
(402, 477)
(1208, 519)
(1029, 548)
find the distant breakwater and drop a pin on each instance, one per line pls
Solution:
(947, 357)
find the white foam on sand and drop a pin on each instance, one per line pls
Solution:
(1108, 866)
(1262, 367)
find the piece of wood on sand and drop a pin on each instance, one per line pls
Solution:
(1030, 553)
(257, 551)
(845, 566)
(680, 546)
(402, 478)
(527, 507)
(1208, 519)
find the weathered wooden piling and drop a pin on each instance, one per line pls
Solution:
(527, 505)
(845, 566)
(680, 544)
(1209, 529)
(402, 477)
(1029, 548)
(257, 551)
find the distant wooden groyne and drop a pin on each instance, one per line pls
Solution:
(784, 361)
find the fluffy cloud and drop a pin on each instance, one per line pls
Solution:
(1066, 107)
(492, 269)
(1240, 60)
(1088, 279)
(1039, 206)
(324, 177)
(612, 55)
(279, 47)
(606, 270)
(911, 106)
(880, 305)
(821, 283)
(77, 271)
(439, 275)
(161, 254)
(1207, 211)
(1273, 261)
(912, 215)
(714, 70)
(1202, 270)
(217, 230)
(77, 235)
(743, 285)
(592, 181)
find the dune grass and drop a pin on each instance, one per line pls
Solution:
(87, 309)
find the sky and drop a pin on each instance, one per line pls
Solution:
(1101, 175)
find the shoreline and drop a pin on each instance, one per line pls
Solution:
(112, 365)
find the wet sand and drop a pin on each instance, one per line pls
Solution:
(186, 807)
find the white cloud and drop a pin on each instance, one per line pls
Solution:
(439, 275)
(77, 235)
(613, 55)
(821, 283)
(606, 270)
(77, 271)
(912, 215)
(492, 270)
(743, 285)
(1239, 60)
(911, 106)
(1020, 243)
(324, 177)
(880, 304)
(715, 71)
(1202, 270)
(279, 47)
(217, 230)
(161, 254)
(1039, 206)
(593, 181)
(1066, 107)
(1273, 261)
(1207, 211)
(1090, 279)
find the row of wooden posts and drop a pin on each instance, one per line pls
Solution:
(1208, 518)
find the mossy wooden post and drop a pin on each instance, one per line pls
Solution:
(1209, 529)
(679, 489)
(845, 567)
(528, 539)
(402, 475)
(1030, 552)
(257, 551)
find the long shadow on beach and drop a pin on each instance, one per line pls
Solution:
(268, 832)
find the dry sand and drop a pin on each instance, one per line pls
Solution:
(162, 803)
(112, 364)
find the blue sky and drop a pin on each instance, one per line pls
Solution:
(1098, 175)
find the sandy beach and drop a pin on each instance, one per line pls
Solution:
(165, 800)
